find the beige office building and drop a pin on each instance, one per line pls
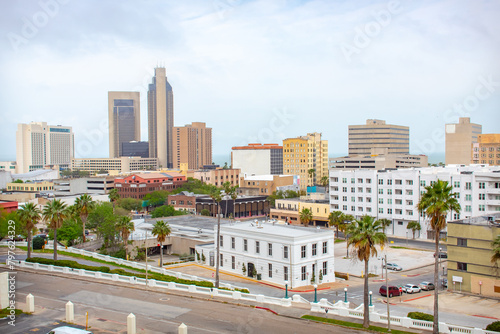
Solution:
(39, 145)
(161, 119)
(305, 153)
(459, 139)
(114, 165)
(124, 117)
(487, 149)
(379, 161)
(376, 136)
(192, 145)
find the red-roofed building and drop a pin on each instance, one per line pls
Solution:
(8, 206)
(138, 185)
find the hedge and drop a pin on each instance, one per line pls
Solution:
(420, 316)
(494, 326)
(68, 263)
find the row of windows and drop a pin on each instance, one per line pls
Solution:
(270, 247)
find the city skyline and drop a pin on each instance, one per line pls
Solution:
(280, 69)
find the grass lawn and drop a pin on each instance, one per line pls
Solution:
(353, 325)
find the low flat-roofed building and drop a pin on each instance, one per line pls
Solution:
(217, 177)
(288, 210)
(183, 201)
(242, 207)
(84, 185)
(275, 253)
(32, 187)
(379, 161)
(117, 165)
(264, 184)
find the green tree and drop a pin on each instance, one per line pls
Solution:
(29, 215)
(414, 226)
(365, 235)
(312, 173)
(130, 204)
(83, 206)
(113, 197)
(55, 212)
(306, 216)
(18, 181)
(205, 212)
(325, 181)
(125, 226)
(436, 203)
(336, 218)
(385, 223)
(70, 231)
(343, 227)
(216, 196)
(103, 220)
(156, 198)
(5, 226)
(161, 230)
(163, 211)
(231, 191)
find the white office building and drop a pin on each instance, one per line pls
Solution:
(394, 194)
(278, 253)
(39, 145)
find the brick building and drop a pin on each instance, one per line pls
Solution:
(138, 185)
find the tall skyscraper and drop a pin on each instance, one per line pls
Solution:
(39, 145)
(377, 137)
(124, 114)
(161, 119)
(459, 139)
(192, 145)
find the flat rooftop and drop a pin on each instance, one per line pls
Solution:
(277, 229)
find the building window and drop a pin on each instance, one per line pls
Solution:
(381, 191)
(314, 249)
(462, 242)
(303, 252)
(233, 244)
(461, 266)
(380, 201)
(257, 247)
(221, 260)
(380, 181)
(481, 207)
(325, 247)
(325, 268)
(221, 241)
(468, 208)
(245, 245)
(456, 184)
(389, 182)
(303, 275)
(468, 185)
(380, 210)
(270, 249)
(481, 185)
(389, 211)
(482, 197)
(468, 197)
(285, 252)
(270, 266)
(233, 262)
(285, 273)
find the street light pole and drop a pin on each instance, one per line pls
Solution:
(286, 289)
(371, 304)
(345, 295)
(315, 293)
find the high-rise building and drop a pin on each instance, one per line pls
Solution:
(377, 137)
(258, 159)
(161, 119)
(459, 139)
(192, 145)
(124, 115)
(39, 145)
(487, 149)
(135, 149)
(307, 157)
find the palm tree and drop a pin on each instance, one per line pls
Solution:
(216, 195)
(306, 216)
(336, 218)
(125, 226)
(365, 235)
(344, 225)
(161, 230)
(495, 244)
(325, 181)
(230, 191)
(29, 214)
(385, 223)
(436, 203)
(311, 172)
(55, 212)
(414, 226)
(113, 197)
(84, 205)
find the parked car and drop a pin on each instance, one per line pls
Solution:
(411, 288)
(87, 232)
(393, 291)
(68, 330)
(393, 266)
(427, 286)
(442, 255)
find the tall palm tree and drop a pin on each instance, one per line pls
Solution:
(365, 235)
(345, 224)
(125, 226)
(55, 212)
(385, 223)
(161, 230)
(336, 218)
(29, 214)
(113, 197)
(325, 181)
(436, 203)
(84, 205)
(216, 196)
(414, 226)
(495, 244)
(311, 172)
(306, 216)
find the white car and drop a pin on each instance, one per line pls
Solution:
(68, 330)
(411, 288)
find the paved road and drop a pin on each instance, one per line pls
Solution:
(108, 306)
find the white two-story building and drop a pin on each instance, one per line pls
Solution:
(276, 253)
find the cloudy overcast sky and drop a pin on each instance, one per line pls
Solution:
(254, 71)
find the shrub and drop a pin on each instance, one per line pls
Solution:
(38, 243)
(119, 254)
(420, 316)
(205, 212)
(494, 326)
(67, 263)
